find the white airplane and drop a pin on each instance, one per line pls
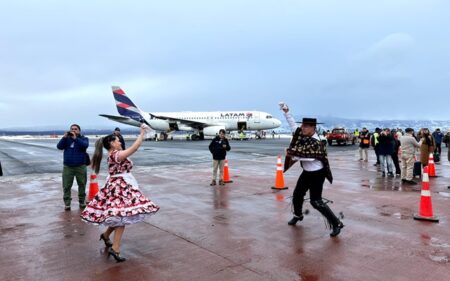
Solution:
(202, 123)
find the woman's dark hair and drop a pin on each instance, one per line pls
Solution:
(101, 143)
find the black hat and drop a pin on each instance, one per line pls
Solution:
(409, 130)
(117, 129)
(309, 121)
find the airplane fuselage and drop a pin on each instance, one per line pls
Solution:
(204, 123)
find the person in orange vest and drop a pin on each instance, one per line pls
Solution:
(307, 148)
(364, 145)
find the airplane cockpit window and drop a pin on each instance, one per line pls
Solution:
(269, 117)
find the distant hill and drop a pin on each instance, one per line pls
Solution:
(329, 123)
(100, 132)
(352, 124)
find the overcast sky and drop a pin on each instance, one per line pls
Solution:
(370, 59)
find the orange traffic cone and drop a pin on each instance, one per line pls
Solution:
(425, 208)
(279, 177)
(93, 187)
(431, 166)
(226, 173)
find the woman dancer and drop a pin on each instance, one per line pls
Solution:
(119, 202)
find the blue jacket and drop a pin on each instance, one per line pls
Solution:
(438, 136)
(74, 150)
(216, 147)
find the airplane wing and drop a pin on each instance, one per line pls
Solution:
(190, 123)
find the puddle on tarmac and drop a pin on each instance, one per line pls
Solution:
(445, 194)
(439, 258)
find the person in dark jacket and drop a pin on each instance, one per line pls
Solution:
(438, 137)
(394, 156)
(364, 144)
(385, 150)
(119, 135)
(218, 148)
(75, 160)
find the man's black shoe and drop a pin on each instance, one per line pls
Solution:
(294, 220)
(403, 180)
(410, 182)
(336, 229)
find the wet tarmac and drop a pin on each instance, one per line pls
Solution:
(235, 232)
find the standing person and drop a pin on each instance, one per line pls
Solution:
(374, 142)
(307, 147)
(364, 145)
(119, 135)
(386, 149)
(427, 145)
(396, 143)
(356, 134)
(218, 148)
(74, 145)
(438, 137)
(446, 139)
(409, 146)
(119, 202)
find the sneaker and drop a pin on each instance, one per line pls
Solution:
(213, 182)
(390, 174)
(221, 182)
(403, 180)
(66, 208)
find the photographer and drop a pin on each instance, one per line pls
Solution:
(75, 161)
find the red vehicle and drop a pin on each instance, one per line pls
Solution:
(340, 136)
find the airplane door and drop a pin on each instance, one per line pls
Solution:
(242, 126)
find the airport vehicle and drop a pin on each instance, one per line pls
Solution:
(201, 123)
(340, 136)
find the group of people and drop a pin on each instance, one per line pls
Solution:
(119, 201)
(389, 143)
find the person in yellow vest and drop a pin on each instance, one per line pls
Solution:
(356, 134)
(374, 142)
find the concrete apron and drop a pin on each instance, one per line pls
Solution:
(235, 232)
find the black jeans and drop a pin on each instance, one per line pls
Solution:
(438, 148)
(312, 181)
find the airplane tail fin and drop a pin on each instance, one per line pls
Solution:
(125, 106)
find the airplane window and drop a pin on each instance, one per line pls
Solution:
(268, 117)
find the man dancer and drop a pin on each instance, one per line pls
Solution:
(306, 147)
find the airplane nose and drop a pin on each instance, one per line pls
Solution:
(277, 122)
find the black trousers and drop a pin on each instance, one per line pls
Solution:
(312, 181)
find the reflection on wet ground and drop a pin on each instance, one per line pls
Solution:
(234, 232)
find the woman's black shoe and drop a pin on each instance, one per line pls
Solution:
(106, 240)
(116, 255)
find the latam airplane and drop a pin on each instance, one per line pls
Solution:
(202, 123)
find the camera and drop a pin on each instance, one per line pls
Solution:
(69, 134)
